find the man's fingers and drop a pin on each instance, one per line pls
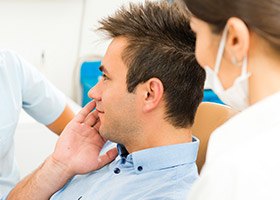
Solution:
(107, 158)
(97, 125)
(81, 116)
(92, 118)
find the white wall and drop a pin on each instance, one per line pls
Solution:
(92, 42)
(52, 27)
(60, 30)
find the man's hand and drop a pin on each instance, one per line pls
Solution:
(76, 152)
(80, 143)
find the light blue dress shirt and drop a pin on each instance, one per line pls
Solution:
(166, 172)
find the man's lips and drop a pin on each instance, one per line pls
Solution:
(99, 111)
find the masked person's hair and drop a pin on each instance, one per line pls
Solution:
(261, 16)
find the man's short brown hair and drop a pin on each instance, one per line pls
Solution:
(161, 45)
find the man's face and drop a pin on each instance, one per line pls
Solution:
(115, 105)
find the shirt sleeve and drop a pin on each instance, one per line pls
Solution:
(3, 197)
(40, 98)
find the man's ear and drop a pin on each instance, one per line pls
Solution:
(238, 40)
(153, 94)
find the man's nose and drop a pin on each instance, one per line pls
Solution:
(95, 92)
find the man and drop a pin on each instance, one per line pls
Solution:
(22, 86)
(146, 103)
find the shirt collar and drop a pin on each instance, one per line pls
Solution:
(122, 152)
(161, 157)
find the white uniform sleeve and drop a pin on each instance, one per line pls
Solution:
(40, 98)
(217, 183)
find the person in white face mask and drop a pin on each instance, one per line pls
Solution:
(238, 43)
(235, 96)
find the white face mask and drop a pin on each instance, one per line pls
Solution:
(237, 95)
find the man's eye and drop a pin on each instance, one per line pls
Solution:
(104, 77)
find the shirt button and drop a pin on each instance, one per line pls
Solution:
(117, 170)
(140, 168)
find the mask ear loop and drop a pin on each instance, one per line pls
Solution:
(221, 50)
(244, 66)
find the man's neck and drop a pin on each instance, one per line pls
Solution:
(162, 135)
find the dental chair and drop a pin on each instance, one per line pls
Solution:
(209, 116)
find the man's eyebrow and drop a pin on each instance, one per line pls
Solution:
(103, 69)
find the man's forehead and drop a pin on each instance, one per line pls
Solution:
(114, 52)
(118, 43)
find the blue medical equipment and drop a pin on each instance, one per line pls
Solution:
(89, 76)
(210, 96)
